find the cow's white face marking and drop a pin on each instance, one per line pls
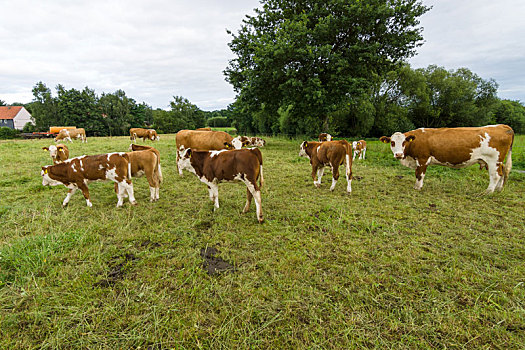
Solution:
(48, 181)
(302, 151)
(214, 153)
(397, 145)
(184, 162)
(354, 144)
(53, 151)
(328, 137)
(237, 143)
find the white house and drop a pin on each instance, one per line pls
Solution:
(14, 117)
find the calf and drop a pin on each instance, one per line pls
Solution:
(332, 153)
(213, 167)
(325, 137)
(204, 140)
(68, 134)
(456, 148)
(58, 153)
(359, 149)
(145, 160)
(257, 142)
(76, 173)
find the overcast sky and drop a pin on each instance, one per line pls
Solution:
(154, 50)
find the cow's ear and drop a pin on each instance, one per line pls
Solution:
(305, 144)
(188, 153)
(45, 149)
(410, 138)
(227, 145)
(384, 139)
(60, 148)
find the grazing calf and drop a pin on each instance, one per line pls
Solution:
(58, 153)
(149, 134)
(76, 173)
(257, 142)
(325, 137)
(329, 153)
(204, 140)
(145, 160)
(212, 167)
(456, 148)
(359, 149)
(68, 134)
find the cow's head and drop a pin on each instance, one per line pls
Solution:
(398, 142)
(302, 151)
(184, 161)
(354, 144)
(259, 142)
(46, 179)
(52, 151)
(236, 143)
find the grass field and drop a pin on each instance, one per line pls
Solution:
(384, 267)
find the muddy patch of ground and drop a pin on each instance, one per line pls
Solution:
(213, 264)
(118, 267)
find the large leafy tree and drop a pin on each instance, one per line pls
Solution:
(308, 58)
(43, 107)
(183, 115)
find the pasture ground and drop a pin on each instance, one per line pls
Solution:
(384, 267)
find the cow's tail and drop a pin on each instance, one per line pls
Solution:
(159, 171)
(129, 165)
(260, 159)
(508, 164)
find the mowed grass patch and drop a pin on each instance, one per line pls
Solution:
(385, 266)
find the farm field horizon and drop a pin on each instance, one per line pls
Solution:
(383, 267)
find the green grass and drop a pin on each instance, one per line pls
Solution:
(384, 267)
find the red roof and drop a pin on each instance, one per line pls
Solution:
(9, 112)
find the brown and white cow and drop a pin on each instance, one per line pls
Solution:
(328, 153)
(213, 167)
(325, 137)
(204, 140)
(76, 173)
(359, 149)
(145, 134)
(69, 134)
(58, 153)
(456, 148)
(145, 160)
(257, 142)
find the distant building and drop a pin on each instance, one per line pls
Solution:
(14, 117)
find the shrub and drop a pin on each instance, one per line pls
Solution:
(7, 133)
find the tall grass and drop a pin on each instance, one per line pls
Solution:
(384, 267)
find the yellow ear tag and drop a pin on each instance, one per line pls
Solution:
(59, 148)
(45, 171)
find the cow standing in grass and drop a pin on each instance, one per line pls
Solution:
(145, 134)
(329, 153)
(58, 153)
(359, 149)
(69, 134)
(456, 148)
(213, 167)
(76, 173)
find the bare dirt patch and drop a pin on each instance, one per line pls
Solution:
(213, 264)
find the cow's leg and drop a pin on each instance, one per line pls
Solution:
(178, 157)
(153, 184)
(249, 197)
(348, 168)
(501, 181)
(335, 176)
(126, 186)
(420, 175)
(361, 154)
(85, 191)
(355, 153)
(70, 193)
(494, 175)
(364, 153)
(214, 189)
(320, 172)
(251, 185)
(69, 139)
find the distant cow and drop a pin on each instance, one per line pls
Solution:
(69, 134)
(456, 148)
(213, 167)
(145, 134)
(257, 142)
(329, 153)
(204, 140)
(145, 160)
(76, 173)
(203, 129)
(244, 140)
(359, 149)
(325, 137)
(58, 153)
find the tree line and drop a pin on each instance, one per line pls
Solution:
(111, 114)
(339, 66)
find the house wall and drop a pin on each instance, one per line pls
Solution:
(22, 118)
